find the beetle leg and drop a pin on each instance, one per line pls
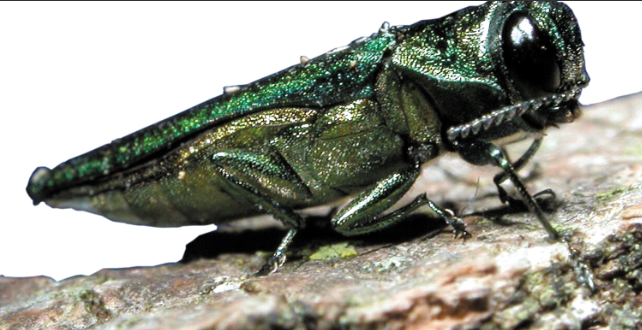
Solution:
(531, 203)
(485, 153)
(582, 270)
(252, 177)
(360, 215)
(519, 164)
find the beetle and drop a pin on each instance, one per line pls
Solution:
(359, 120)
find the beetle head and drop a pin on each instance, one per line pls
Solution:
(542, 55)
(538, 54)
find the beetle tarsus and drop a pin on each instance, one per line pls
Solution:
(545, 199)
(458, 225)
(551, 194)
(459, 229)
(278, 259)
(272, 265)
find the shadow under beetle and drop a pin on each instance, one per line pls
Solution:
(359, 120)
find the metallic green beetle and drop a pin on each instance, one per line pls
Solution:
(361, 119)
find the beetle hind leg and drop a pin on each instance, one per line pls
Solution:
(278, 258)
(257, 178)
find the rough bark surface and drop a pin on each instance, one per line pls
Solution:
(414, 276)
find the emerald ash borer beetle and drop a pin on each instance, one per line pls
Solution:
(359, 120)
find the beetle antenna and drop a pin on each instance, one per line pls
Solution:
(472, 199)
(507, 113)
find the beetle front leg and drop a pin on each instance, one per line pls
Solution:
(360, 215)
(484, 153)
(253, 177)
(519, 164)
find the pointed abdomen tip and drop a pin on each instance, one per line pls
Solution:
(36, 188)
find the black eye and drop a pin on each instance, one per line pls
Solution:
(530, 57)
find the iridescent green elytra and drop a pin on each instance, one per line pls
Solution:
(361, 119)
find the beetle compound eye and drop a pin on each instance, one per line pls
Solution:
(530, 57)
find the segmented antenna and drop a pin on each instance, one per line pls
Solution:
(508, 113)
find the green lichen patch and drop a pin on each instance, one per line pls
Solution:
(333, 252)
(93, 304)
(614, 192)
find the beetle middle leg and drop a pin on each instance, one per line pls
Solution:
(360, 215)
(255, 177)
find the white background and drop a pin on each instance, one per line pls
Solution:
(74, 76)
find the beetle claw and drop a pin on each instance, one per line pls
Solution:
(271, 266)
(459, 229)
(459, 226)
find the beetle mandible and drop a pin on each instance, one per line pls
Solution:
(359, 120)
